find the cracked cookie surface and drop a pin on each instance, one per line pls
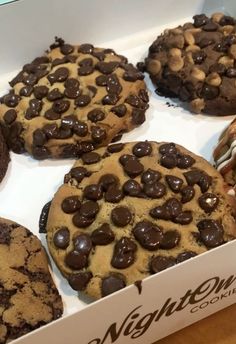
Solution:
(28, 296)
(72, 100)
(134, 209)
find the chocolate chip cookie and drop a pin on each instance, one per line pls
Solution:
(72, 100)
(224, 154)
(195, 62)
(131, 210)
(28, 296)
(4, 156)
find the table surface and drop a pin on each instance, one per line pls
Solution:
(218, 328)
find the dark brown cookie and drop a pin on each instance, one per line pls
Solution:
(195, 62)
(4, 156)
(131, 210)
(72, 100)
(28, 296)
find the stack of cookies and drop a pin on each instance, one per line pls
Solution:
(125, 210)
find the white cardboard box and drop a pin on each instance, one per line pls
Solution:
(175, 297)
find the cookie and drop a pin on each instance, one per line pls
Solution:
(131, 210)
(195, 62)
(4, 156)
(72, 100)
(224, 154)
(28, 296)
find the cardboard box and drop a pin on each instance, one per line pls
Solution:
(175, 297)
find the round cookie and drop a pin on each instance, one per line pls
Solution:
(28, 296)
(72, 100)
(130, 210)
(224, 154)
(4, 156)
(195, 62)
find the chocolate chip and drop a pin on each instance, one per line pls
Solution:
(160, 212)
(66, 49)
(160, 263)
(72, 83)
(132, 188)
(200, 20)
(54, 94)
(39, 137)
(52, 115)
(115, 148)
(111, 284)
(100, 55)
(227, 20)
(133, 168)
(82, 221)
(168, 160)
(124, 253)
(80, 128)
(61, 238)
(119, 110)
(205, 42)
(231, 72)
(113, 194)
(90, 158)
(68, 122)
(40, 92)
(30, 79)
(185, 256)
(85, 70)
(86, 48)
(113, 85)
(155, 190)
(121, 216)
(150, 176)
(63, 133)
(79, 173)
(205, 182)
(187, 194)
(199, 56)
(125, 158)
(211, 232)
(193, 177)
(40, 153)
(102, 235)
(82, 100)
(174, 183)
(44, 217)
(141, 149)
(26, 91)
(60, 75)
(76, 260)
(93, 192)
(16, 79)
(110, 99)
(98, 134)
(107, 67)
(185, 161)
(217, 68)
(60, 106)
(10, 116)
(79, 280)
(11, 100)
(148, 235)
(170, 240)
(107, 180)
(208, 202)
(92, 90)
(101, 80)
(138, 116)
(82, 243)
(184, 217)
(173, 206)
(168, 148)
(209, 92)
(96, 115)
(70, 204)
(210, 26)
(89, 209)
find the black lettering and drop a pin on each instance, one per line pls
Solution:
(214, 300)
(167, 309)
(234, 291)
(224, 284)
(226, 294)
(95, 341)
(181, 305)
(143, 324)
(129, 328)
(204, 305)
(194, 309)
(204, 289)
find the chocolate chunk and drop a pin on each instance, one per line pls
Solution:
(205, 182)
(82, 100)
(80, 128)
(155, 190)
(208, 202)
(66, 49)
(72, 92)
(89, 209)
(143, 95)
(132, 188)
(11, 100)
(40, 92)
(60, 75)
(168, 148)
(44, 217)
(185, 256)
(184, 217)
(150, 176)
(111, 284)
(40, 153)
(39, 137)
(133, 168)
(82, 221)
(101, 80)
(125, 158)
(138, 116)
(16, 79)
(60, 106)
(110, 99)
(115, 148)
(113, 85)
(93, 192)
(72, 83)
(92, 91)
(10, 116)
(211, 232)
(82, 243)
(173, 206)
(174, 183)
(210, 26)
(54, 94)
(119, 110)
(209, 92)
(148, 235)
(79, 173)
(124, 253)
(141, 149)
(70, 204)
(121, 216)
(26, 91)
(107, 67)
(217, 68)
(187, 194)
(205, 42)
(76, 260)
(114, 194)
(30, 79)
(96, 115)
(168, 160)
(160, 212)
(61, 238)
(102, 235)
(231, 72)
(185, 161)
(200, 20)
(51, 115)
(100, 55)
(193, 177)
(86, 48)
(85, 70)
(69, 122)
(199, 56)
(227, 20)
(160, 263)
(79, 280)
(107, 180)
(98, 134)
(90, 158)
(170, 239)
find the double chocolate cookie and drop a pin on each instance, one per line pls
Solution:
(4, 156)
(196, 63)
(131, 210)
(72, 100)
(28, 296)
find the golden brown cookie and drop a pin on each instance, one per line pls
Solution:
(72, 100)
(131, 210)
(195, 62)
(28, 296)
(4, 156)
